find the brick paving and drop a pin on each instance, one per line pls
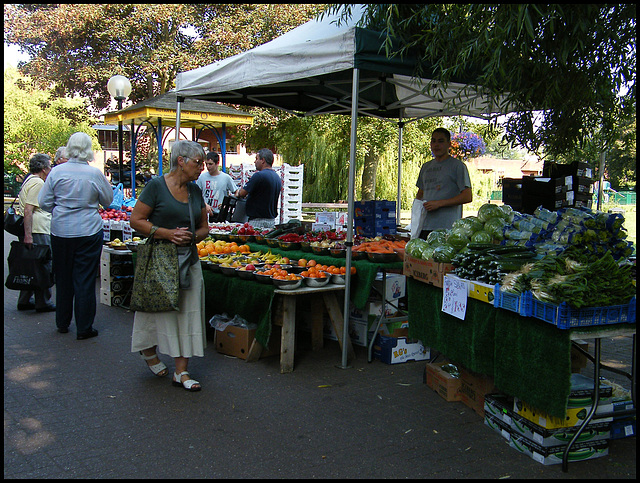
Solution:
(90, 409)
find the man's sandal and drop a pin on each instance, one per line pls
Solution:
(159, 369)
(188, 384)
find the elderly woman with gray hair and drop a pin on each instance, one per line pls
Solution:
(165, 209)
(73, 193)
(61, 156)
(37, 227)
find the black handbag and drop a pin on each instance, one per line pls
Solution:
(29, 267)
(13, 222)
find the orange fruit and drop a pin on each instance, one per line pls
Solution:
(305, 273)
(302, 262)
(353, 270)
(203, 252)
(311, 263)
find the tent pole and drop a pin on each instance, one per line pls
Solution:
(603, 155)
(178, 108)
(349, 241)
(399, 202)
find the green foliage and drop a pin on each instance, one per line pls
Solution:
(34, 123)
(569, 70)
(81, 46)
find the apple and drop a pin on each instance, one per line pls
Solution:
(250, 267)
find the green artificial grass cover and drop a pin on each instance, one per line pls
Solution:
(527, 358)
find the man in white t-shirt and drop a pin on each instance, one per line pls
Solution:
(214, 185)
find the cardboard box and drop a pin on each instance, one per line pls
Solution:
(396, 350)
(442, 382)
(499, 406)
(236, 341)
(375, 208)
(427, 271)
(327, 217)
(473, 388)
(477, 290)
(370, 226)
(361, 332)
(396, 285)
(578, 360)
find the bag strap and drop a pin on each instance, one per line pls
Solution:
(23, 182)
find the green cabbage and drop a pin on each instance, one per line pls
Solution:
(481, 237)
(444, 253)
(437, 237)
(488, 211)
(457, 238)
(427, 252)
(494, 227)
(414, 247)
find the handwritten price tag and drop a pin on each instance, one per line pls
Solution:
(454, 297)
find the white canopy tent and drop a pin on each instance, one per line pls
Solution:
(327, 66)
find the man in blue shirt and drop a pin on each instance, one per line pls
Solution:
(262, 192)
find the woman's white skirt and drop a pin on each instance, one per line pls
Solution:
(177, 334)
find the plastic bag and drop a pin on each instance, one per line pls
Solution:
(418, 217)
(29, 267)
(118, 197)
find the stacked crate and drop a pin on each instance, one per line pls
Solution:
(375, 218)
(561, 186)
(291, 197)
(290, 201)
(116, 277)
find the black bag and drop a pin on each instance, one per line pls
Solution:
(13, 222)
(29, 268)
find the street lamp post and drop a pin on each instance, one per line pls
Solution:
(119, 88)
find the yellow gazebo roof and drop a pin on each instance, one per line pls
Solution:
(193, 113)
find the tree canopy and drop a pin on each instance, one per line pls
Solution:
(76, 48)
(570, 69)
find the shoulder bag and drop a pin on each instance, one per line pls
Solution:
(13, 222)
(156, 282)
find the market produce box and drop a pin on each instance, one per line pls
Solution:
(427, 271)
(380, 209)
(473, 388)
(446, 385)
(547, 455)
(484, 292)
(551, 169)
(361, 332)
(396, 350)
(578, 408)
(372, 227)
(396, 285)
(500, 406)
(578, 359)
(236, 341)
(572, 183)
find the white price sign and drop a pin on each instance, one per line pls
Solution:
(454, 297)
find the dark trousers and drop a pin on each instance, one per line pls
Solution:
(76, 262)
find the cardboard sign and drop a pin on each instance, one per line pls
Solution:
(454, 297)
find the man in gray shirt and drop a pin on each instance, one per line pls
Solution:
(443, 185)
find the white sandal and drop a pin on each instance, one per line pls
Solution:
(159, 369)
(188, 384)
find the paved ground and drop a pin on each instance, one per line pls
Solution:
(90, 409)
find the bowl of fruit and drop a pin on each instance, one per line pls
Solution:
(246, 272)
(287, 282)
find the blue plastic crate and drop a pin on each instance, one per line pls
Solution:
(509, 301)
(565, 317)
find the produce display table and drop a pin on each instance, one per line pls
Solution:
(286, 318)
(527, 357)
(253, 301)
